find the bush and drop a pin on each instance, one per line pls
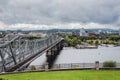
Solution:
(109, 64)
(32, 67)
(3, 79)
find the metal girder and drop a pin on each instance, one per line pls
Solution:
(12, 53)
(3, 62)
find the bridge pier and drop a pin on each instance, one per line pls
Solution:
(52, 55)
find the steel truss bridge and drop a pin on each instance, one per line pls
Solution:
(16, 52)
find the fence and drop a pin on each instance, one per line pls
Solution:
(75, 66)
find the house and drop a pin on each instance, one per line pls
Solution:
(91, 34)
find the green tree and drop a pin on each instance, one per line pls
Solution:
(109, 64)
(96, 42)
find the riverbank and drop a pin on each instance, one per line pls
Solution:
(86, 46)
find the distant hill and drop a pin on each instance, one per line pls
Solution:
(62, 30)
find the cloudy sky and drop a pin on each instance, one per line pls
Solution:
(47, 14)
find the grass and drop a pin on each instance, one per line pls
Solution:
(66, 75)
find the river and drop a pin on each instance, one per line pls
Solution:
(72, 55)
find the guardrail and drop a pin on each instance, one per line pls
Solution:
(74, 66)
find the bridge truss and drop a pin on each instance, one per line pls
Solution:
(16, 51)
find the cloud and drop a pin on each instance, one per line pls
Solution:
(24, 26)
(50, 12)
(3, 26)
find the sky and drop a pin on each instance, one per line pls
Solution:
(62, 14)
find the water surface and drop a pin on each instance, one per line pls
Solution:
(72, 55)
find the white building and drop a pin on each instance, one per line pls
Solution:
(83, 32)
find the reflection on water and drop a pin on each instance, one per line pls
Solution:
(72, 55)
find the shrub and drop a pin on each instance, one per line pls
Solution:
(3, 79)
(32, 67)
(109, 64)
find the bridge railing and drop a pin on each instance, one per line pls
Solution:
(18, 49)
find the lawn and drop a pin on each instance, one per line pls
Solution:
(66, 75)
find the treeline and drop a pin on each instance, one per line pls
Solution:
(73, 40)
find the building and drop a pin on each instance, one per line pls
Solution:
(83, 32)
(119, 31)
(91, 34)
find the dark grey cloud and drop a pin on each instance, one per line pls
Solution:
(60, 11)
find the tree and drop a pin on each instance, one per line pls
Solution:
(96, 42)
(109, 64)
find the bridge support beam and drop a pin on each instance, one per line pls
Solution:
(3, 62)
(13, 55)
